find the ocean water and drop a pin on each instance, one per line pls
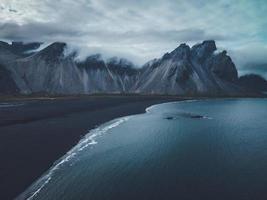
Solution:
(210, 149)
(7, 105)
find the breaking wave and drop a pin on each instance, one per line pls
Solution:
(150, 108)
(88, 140)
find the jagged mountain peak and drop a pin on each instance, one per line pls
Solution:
(114, 64)
(92, 62)
(97, 59)
(196, 70)
(209, 45)
(122, 62)
(200, 51)
(56, 47)
(181, 52)
(182, 47)
(97, 56)
(222, 65)
(203, 50)
(183, 71)
(20, 48)
(4, 45)
(92, 59)
(53, 53)
(121, 66)
(150, 63)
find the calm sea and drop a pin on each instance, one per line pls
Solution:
(210, 149)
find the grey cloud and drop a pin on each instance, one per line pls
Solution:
(12, 10)
(259, 67)
(36, 32)
(44, 31)
(140, 29)
(104, 41)
(255, 68)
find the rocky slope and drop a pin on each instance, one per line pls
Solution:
(199, 70)
(190, 71)
(19, 48)
(253, 82)
(51, 71)
(7, 84)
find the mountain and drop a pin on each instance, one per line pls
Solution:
(253, 82)
(190, 71)
(114, 75)
(51, 71)
(20, 48)
(199, 70)
(7, 84)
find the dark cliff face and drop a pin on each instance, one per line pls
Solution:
(116, 65)
(219, 64)
(182, 66)
(182, 52)
(201, 52)
(20, 48)
(190, 71)
(122, 66)
(222, 66)
(7, 84)
(53, 53)
(93, 62)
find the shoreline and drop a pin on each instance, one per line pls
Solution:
(33, 136)
(31, 144)
(49, 175)
(88, 139)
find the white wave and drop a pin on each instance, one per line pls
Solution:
(89, 139)
(150, 108)
(190, 100)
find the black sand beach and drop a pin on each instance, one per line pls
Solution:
(36, 132)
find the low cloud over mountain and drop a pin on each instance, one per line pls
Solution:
(140, 30)
(198, 70)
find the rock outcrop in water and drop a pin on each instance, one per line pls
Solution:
(199, 70)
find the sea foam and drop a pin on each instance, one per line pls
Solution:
(150, 108)
(88, 140)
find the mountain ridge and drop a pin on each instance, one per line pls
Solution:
(199, 70)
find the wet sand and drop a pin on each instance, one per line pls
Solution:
(35, 132)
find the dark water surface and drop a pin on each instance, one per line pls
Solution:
(213, 149)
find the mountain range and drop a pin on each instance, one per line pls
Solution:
(199, 70)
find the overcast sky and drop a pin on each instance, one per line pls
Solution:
(141, 29)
